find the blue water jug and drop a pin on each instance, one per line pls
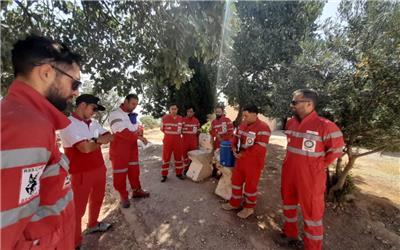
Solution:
(226, 155)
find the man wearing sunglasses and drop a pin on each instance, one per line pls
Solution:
(82, 141)
(313, 144)
(36, 198)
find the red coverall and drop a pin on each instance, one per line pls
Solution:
(37, 208)
(253, 146)
(313, 144)
(190, 138)
(223, 127)
(172, 143)
(88, 171)
(124, 152)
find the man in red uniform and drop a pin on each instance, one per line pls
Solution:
(221, 128)
(249, 148)
(172, 143)
(124, 152)
(82, 141)
(190, 133)
(36, 197)
(313, 144)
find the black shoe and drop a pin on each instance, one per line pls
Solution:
(180, 177)
(163, 179)
(125, 203)
(78, 248)
(185, 172)
(284, 241)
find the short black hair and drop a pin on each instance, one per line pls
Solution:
(189, 107)
(34, 50)
(251, 108)
(308, 94)
(172, 104)
(131, 96)
(220, 107)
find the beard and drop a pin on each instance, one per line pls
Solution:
(55, 97)
(218, 116)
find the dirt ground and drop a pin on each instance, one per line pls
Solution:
(187, 215)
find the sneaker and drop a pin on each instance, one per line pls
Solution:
(180, 177)
(227, 206)
(245, 212)
(285, 241)
(125, 203)
(140, 193)
(163, 179)
(100, 227)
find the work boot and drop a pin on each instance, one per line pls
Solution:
(140, 193)
(179, 176)
(285, 241)
(163, 178)
(185, 172)
(246, 212)
(227, 206)
(100, 227)
(125, 203)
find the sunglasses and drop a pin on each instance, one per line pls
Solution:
(294, 102)
(75, 84)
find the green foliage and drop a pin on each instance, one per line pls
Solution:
(268, 41)
(149, 122)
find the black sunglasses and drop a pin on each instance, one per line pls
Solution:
(294, 102)
(75, 84)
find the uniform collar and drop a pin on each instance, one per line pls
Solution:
(28, 96)
(309, 117)
(74, 115)
(123, 109)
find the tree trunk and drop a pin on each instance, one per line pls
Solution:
(238, 118)
(342, 177)
(284, 121)
(338, 169)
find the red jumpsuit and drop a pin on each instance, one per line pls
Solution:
(37, 207)
(88, 171)
(190, 138)
(124, 152)
(253, 146)
(313, 144)
(172, 143)
(223, 127)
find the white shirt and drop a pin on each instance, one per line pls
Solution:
(79, 131)
(119, 120)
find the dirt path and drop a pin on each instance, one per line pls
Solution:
(187, 215)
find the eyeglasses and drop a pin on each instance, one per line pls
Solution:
(294, 102)
(75, 84)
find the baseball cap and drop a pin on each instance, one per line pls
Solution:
(89, 99)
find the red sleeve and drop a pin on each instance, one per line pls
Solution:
(126, 134)
(334, 143)
(229, 123)
(162, 124)
(212, 131)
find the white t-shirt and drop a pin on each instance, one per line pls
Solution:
(79, 131)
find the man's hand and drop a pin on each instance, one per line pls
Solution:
(237, 155)
(104, 139)
(143, 139)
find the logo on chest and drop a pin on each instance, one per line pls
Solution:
(309, 144)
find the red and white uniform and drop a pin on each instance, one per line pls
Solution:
(190, 138)
(88, 171)
(124, 152)
(253, 146)
(36, 196)
(222, 127)
(172, 143)
(313, 144)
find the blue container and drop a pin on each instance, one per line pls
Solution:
(226, 155)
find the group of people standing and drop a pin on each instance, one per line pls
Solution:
(42, 189)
